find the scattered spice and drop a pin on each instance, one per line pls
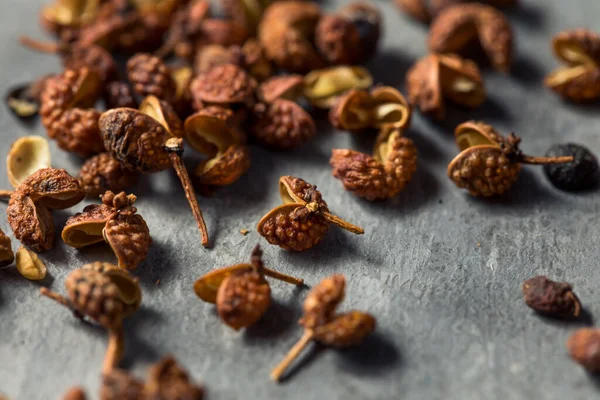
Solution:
(554, 299)
(223, 85)
(581, 174)
(489, 164)
(29, 265)
(244, 231)
(287, 87)
(103, 172)
(323, 88)
(118, 94)
(282, 125)
(303, 219)
(27, 155)
(241, 292)
(323, 325)
(24, 100)
(584, 348)
(149, 76)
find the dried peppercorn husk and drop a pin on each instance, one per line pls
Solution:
(64, 113)
(579, 80)
(116, 222)
(118, 94)
(105, 294)
(425, 10)
(456, 28)
(380, 108)
(584, 348)
(223, 85)
(213, 134)
(255, 60)
(168, 380)
(382, 175)
(323, 88)
(212, 55)
(68, 14)
(554, 299)
(29, 265)
(338, 41)
(149, 148)
(26, 155)
(286, 32)
(103, 172)
(118, 384)
(23, 100)
(287, 87)
(489, 164)
(366, 17)
(149, 76)
(6, 254)
(140, 33)
(184, 29)
(246, 13)
(164, 113)
(303, 219)
(28, 208)
(282, 124)
(323, 325)
(222, 32)
(241, 292)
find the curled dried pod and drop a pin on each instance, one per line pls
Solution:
(186, 25)
(118, 94)
(255, 60)
(6, 254)
(212, 55)
(213, 135)
(425, 10)
(554, 299)
(338, 40)
(68, 14)
(246, 13)
(241, 292)
(366, 17)
(584, 348)
(303, 219)
(105, 294)
(456, 28)
(164, 113)
(223, 32)
(323, 88)
(287, 87)
(28, 208)
(149, 76)
(439, 77)
(383, 107)
(140, 33)
(168, 380)
(118, 384)
(64, 112)
(579, 79)
(282, 124)
(23, 100)
(330, 329)
(103, 172)
(115, 221)
(143, 144)
(382, 175)
(488, 164)
(223, 85)
(286, 32)
(26, 155)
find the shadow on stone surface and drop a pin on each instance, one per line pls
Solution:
(279, 319)
(389, 68)
(372, 357)
(137, 349)
(528, 72)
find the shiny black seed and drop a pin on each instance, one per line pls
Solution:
(583, 173)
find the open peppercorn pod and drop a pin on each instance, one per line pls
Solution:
(383, 107)
(68, 14)
(29, 206)
(211, 131)
(382, 175)
(144, 144)
(579, 80)
(488, 164)
(27, 155)
(287, 87)
(440, 77)
(149, 76)
(323, 88)
(246, 13)
(23, 100)
(224, 85)
(458, 27)
(184, 29)
(106, 294)
(303, 219)
(116, 222)
(103, 172)
(241, 292)
(323, 325)
(65, 114)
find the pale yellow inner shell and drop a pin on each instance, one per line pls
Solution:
(27, 155)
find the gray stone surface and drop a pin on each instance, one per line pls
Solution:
(451, 321)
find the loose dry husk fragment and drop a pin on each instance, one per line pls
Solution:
(29, 265)
(324, 87)
(579, 80)
(27, 155)
(68, 14)
(164, 113)
(6, 254)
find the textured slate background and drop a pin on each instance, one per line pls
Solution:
(452, 323)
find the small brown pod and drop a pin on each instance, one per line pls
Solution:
(118, 384)
(168, 380)
(382, 175)
(437, 78)
(164, 113)
(286, 31)
(118, 94)
(338, 41)
(184, 28)
(303, 219)
(255, 60)
(382, 108)
(323, 88)
(61, 15)
(282, 125)
(213, 55)
(150, 76)
(489, 164)
(287, 87)
(584, 348)
(425, 10)
(241, 292)
(223, 85)
(222, 32)
(366, 17)
(213, 134)
(246, 13)
(103, 172)
(554, 299)
(324, 326)
(456, 28)
(6, 254)
(579, 80)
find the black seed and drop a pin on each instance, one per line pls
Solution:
(583, 173)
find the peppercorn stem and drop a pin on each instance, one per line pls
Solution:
(5, 194)
(282, 277)
(189, 194)
(114, 351)
(334, 219)
(545, 160)
(45, 47)
(279, 370)
(56, 297)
